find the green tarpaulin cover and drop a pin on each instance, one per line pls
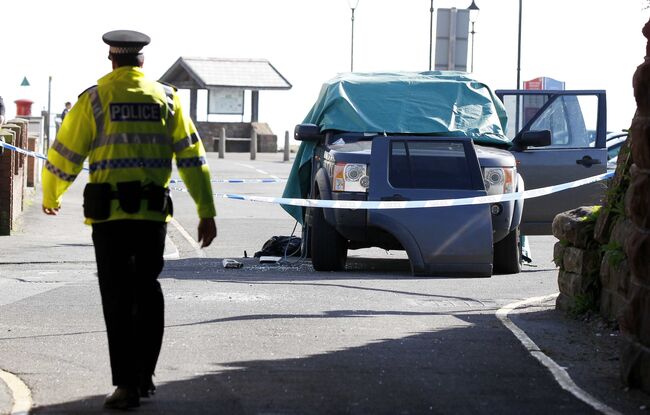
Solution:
(431, 103)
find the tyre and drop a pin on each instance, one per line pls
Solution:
(329, 250)
(305, 247)
(507, 254)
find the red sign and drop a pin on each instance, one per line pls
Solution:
(534, 84)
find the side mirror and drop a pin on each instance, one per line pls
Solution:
(307, 132)
(539, 138)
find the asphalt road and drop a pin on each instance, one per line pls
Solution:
(272, 339)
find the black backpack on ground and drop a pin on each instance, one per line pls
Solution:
(279, 245)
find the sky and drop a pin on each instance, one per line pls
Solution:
(588, 44)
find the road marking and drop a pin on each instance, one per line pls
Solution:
(559, 373)
(273, 176)
(20, 393)
(197, 248)
(174, 254)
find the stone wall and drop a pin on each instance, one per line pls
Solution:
(635, 320)
(238, 136)
(621, 241)
(578, 257)
(612, 227)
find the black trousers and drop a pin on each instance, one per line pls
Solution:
(129, 257)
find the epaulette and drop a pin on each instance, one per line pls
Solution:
(169, 85)
(86, 90)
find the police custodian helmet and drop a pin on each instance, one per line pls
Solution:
(125, 42)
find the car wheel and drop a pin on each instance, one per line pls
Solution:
(329, 250)
(305, 245)
(507, 254)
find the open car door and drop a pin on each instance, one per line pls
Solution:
(577, 122)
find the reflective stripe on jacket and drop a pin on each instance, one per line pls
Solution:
(129, 128)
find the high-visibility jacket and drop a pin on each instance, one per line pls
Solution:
(130, 128)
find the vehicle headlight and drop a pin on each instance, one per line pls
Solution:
(350, 177)
(499, 180)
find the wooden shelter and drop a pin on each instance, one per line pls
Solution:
(220, 74)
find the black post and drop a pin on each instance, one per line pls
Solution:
(46, 142)
(255, 99)
(193, 102)
(519, 49)
(472, 33)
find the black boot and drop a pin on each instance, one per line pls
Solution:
(123, 398)
(147, 388)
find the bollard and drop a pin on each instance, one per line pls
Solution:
(286, 146)
(254, 145)
(222, 143)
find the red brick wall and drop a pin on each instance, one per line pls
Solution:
(7, 161)
(13, 176)
(31, 162)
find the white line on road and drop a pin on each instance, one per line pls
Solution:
(273, 176)
(559, 373)
(188, 238)
(174, 254)
(20, 393)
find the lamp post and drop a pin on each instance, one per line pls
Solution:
(353, 5)
(430, 34)
(519, 49)
(473, 15)
(518, 107)
(46, 143)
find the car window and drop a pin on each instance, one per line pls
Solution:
(572, 119)
(613, 151)
(569, 123)
(429, 165)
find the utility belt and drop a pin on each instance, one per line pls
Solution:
(98, 198)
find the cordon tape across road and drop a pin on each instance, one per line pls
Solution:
(173, 181)
(352, 204)
(414, 204)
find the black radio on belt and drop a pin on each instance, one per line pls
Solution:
(97, 200)
(98, 197)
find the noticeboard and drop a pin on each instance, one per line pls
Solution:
(225, 101)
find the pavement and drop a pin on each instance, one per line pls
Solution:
(587, 347)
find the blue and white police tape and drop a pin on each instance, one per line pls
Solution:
(178, 181)
(173, 181)
(414, 204)
(22, 151)
(353, 204)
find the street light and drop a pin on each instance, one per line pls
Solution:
(430, 34)
(473, 15)
(519, 50)
(353, 5)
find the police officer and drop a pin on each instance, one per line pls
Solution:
(130, 128)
